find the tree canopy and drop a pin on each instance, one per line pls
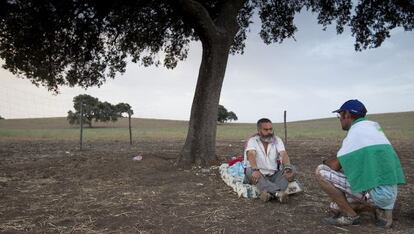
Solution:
(84, 42)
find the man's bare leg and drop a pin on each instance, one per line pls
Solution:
(336, 195)
(357, 206)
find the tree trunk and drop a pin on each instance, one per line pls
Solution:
(200, 145)
(216, 35)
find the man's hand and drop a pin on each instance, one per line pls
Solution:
(256, 176)
(288, 174)
(333, 163)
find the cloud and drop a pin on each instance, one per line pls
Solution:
(308, 77)
(339, 46)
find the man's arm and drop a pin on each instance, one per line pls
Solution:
(285, 158)
(251, 157)
(333, 163)
(287, 167)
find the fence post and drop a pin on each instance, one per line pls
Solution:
(284, 121)
(130, 132)
(81, 125)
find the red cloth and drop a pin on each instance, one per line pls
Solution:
(235, 159)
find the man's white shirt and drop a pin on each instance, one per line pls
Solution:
(267, 163)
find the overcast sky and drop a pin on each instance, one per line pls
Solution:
(308, 77)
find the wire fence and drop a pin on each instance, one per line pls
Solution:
(20, 102)
(32, 103)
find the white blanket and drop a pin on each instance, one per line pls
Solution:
(247, 190)
(236, 182)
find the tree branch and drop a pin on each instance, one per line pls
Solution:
(198, 15)
(227, 16)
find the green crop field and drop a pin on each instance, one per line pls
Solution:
(395, 125)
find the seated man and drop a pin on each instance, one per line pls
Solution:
(264, 155)
(365, 173)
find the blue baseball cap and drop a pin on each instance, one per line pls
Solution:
(354, 106)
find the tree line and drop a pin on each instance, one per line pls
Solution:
(93, 109)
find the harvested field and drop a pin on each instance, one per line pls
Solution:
(48, 186)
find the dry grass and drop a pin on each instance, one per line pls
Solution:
(396, 125)
(48, 187)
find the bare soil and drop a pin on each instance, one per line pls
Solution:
(52, 187)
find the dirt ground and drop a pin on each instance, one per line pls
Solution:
(51, 187)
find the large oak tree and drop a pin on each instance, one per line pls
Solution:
(83, 42)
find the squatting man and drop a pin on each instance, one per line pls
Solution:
(365, 173)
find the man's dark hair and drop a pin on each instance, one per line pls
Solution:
(362, 113)
(262, 120)
(357, 116)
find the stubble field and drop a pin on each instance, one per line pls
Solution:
(48, 186)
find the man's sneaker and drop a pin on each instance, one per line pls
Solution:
(383, 218)
(282, 196)
(294, 187)
(265, 196)
(343, 220)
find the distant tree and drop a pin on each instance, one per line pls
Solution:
(224, 115)
(122, 108)
(232, 116)
(73, 117)
(90, 109)
(1, 117)
(83, 42)
(106, 112)
(93, 109)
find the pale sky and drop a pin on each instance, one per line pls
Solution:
(308, 77)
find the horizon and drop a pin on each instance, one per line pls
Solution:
(232, 122)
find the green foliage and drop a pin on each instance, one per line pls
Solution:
(82, 42)
(224, 115)
(124, 108)
(93, 109)
(89, 107)
(232, 116)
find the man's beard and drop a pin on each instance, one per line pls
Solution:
(268, 138)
